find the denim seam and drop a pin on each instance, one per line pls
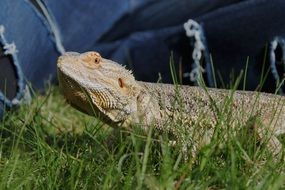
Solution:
(273, 45)
(10, 49)
(50, 23)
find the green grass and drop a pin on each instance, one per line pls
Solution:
(49, 145)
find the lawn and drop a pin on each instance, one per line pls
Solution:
(49, 145)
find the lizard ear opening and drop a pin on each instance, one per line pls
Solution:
(143, 97)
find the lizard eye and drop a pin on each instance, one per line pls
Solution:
(120, 81)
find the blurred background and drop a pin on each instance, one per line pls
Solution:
(225, 38)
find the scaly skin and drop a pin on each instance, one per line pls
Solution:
(99, 86)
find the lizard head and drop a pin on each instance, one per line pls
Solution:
(96, 85)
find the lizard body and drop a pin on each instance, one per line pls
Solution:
(100, 86)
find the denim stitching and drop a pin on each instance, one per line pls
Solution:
(50, 24)
(10, 49)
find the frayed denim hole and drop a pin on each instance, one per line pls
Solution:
(179, 45)
(200, 54)
(8, 75)
(9, 50)
(203, 63)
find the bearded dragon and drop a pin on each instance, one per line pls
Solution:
(99, 86)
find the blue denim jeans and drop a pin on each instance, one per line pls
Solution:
(142, 34)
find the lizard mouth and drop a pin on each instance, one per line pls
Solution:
(65, 66)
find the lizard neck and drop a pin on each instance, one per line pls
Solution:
(148, 109)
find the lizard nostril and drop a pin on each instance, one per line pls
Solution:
(97, 60)
(97, 56)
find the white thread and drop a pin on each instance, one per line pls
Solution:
(2, 29)
(27, 97)
(196, 54)
(190, 26)
(193, 30)
(10, 49)
(16, 102)
(274, 44)
(274, 70)
(200, 45)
